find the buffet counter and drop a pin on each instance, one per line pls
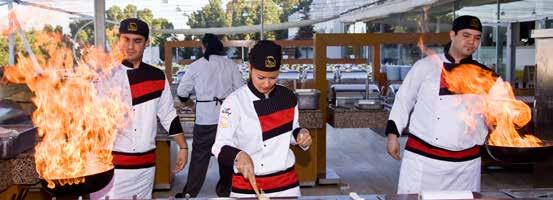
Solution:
(340, 117)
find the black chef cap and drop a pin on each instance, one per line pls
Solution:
(266, 56)
(466, 22)
(134, 26)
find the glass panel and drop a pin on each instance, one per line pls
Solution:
(488, 53)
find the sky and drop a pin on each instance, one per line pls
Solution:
(172, 10)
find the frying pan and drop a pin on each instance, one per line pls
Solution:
(92, 183)
(521, 154)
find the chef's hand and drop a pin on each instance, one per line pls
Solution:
(304, 138)
(243, 162)
(182, 159)
(393, 146)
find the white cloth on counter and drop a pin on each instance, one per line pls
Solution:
(462, 194)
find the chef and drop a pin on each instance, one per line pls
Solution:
(147, 92)
(257, 124)
(442, 151)
(211, 79)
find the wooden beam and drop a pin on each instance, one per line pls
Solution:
(319, 62)
(329, 61)
(363, 39)
(381, 78)
(169, 45)
(198, 44)
(297, 61)
(294, 43)
(168, 63)
(190, 61)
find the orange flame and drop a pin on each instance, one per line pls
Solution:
(504, 114)
(76, 119)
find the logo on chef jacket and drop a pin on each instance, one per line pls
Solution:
(270, 62)
(132, 27)
(225, 115)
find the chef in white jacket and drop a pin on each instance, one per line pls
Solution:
(210, 79)
(147, 92)
(442, 151)
(257, 125)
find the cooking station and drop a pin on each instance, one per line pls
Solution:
(17, 139)
(345, 80)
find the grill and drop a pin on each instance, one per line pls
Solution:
(17, 133)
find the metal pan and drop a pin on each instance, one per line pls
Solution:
(92, 184)
(521, 154)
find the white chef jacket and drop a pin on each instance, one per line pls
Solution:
(209, 79)
(443, 152)
(147, 93)
(436, 118)
(264, 129)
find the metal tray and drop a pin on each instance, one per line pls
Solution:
(12, 144)
(308, 99)
(369, 104)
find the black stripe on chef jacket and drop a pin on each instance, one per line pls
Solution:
(276, 113)
(444, 90)
(146, 82)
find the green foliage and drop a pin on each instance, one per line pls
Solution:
(31, 37)
(248, 13)
(117, 14)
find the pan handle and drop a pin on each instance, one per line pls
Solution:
(488, 148)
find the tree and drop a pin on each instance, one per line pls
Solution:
(115, 13)
(130, 11)
(271, 15)
(304, 32)
(237, 14)
(247, 13)
(38, 40)
(289, 7)
(250, 14)
(211, 15)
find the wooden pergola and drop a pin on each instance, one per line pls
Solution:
(319, 45)
(374, 40)
(170, 45)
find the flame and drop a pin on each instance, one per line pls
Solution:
(504, 114)
(77, 120)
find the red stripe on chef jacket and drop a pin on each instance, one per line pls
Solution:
(267, 183)
(417, 145)
(147, 87)
(276, 119)
(124, 160)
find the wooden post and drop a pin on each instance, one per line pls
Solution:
(169, 62)
(381, 78)
(320, 60)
